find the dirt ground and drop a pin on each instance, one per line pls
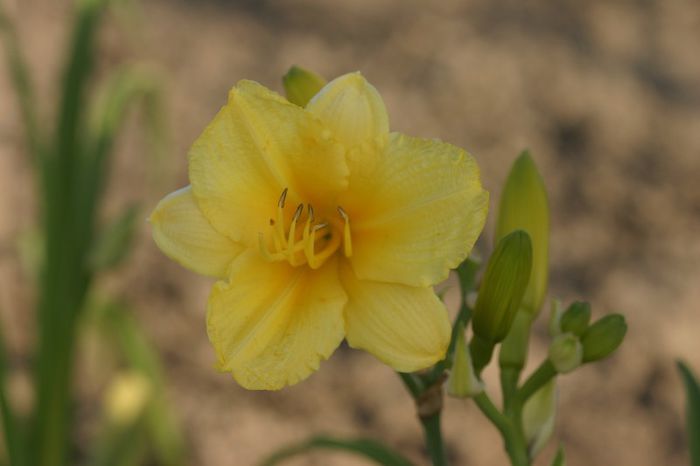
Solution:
(606, 94)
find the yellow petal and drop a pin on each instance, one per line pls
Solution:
(417, 214)
(405, 327)
(256, 146)
(353, 109)
(186, 236)
(271, 324)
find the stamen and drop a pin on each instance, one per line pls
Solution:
(292, 234)
(311, 213)
(347, 239)
(265, 251)
(283, 197)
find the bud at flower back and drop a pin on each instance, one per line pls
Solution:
(301, 85)
(463, 381)
(603, 337)
(503, 287)
(539, 413)
(524, 206)
(576, 318)
(565, 353)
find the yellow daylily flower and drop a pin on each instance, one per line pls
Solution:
(320, 225)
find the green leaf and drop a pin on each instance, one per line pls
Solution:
(113, 245)
(559, 459)
(368, 448)
(692, 391)
(10, 424)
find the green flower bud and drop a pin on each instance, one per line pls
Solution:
(539, 414)
(463, 381)
(576, 318)
(301, 85)
(503, 286)
(524, 206)
(565, 352)
(603, 337)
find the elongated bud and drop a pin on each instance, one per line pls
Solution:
(301, 85)
(503, 286)
(576, 318)
(463, 381)
(603, 337)
(524, 206)
(539, 414)
(566, 352)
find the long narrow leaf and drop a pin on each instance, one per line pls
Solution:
(367, 448)
(692, 391)
(10, 424)
(22, 84)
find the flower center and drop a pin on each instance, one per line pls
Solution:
(313, 244)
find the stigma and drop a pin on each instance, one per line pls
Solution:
(306, 239)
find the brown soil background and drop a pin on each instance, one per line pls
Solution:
(605, 93)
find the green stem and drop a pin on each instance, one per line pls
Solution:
(513, 440)
(412, 383)
(537, 379)
(433, 439)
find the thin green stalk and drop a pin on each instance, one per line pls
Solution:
(412, 383)
(537, 379)
(509, 388)
(514, 443)
(433, 439)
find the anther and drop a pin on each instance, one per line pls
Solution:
(283, 197)
(343, 213)
(320, 226)
(297, 213)
(311, 213)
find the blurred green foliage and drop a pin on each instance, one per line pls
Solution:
(71, 162)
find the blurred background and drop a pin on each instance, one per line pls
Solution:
(606, 95)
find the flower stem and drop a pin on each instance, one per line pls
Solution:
(433, 439)
(513, 440)
(537, 379)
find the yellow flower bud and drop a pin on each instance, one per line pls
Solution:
(301, 85)
(524, 206)
(126, 397)
(503, 286)
(463, 381)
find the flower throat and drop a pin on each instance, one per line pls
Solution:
(311, 244)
